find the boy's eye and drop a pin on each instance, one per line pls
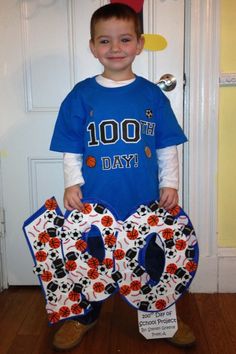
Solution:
(104, 41)
(125, 40)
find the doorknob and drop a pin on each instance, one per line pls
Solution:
(167, 82)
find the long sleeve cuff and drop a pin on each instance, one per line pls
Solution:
(72, 165)
(168, 167)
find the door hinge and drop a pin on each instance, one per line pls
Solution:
(2, 223)
(184, 80)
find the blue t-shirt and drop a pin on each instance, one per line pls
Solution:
(118, 131)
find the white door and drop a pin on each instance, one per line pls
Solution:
(44, 52)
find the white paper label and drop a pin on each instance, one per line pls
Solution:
(161, 324)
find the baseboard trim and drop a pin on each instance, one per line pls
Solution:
(214, 274)
(226, 267)
(205, 280)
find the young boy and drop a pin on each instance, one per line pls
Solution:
(119, 135)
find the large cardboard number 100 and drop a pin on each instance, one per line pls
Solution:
(72, 278)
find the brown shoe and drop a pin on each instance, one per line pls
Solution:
(184, 336)
(70, 334)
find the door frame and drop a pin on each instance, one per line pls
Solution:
(201, 126)
(202, 38)
(3, 263)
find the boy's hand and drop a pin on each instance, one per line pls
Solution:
(168, 198)
(72, 198)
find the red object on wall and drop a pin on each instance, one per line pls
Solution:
(137, 5)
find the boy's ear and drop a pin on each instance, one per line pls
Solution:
(140, 46)
(92, 48)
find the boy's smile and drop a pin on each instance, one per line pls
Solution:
(116, 45)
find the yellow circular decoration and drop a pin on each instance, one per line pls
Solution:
(154, 42)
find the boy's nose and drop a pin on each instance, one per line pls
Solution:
(115, 47)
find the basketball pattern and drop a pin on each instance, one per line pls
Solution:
(94, 276)
(179, 243)
(71, 277)
(43, 232)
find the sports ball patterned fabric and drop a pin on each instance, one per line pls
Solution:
(179, 244)
(71, 277)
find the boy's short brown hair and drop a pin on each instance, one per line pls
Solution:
(117, 10)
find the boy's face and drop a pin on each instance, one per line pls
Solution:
(116, 45)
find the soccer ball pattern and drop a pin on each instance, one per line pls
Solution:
(66, 270)
(72, 278)
(180, 247)
(45, 236)
(89, 270)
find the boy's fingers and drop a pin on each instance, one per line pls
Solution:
(67, 206)
(168, 201)
(163, 200)
(71, 204)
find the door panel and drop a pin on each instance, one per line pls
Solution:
(45, 53)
